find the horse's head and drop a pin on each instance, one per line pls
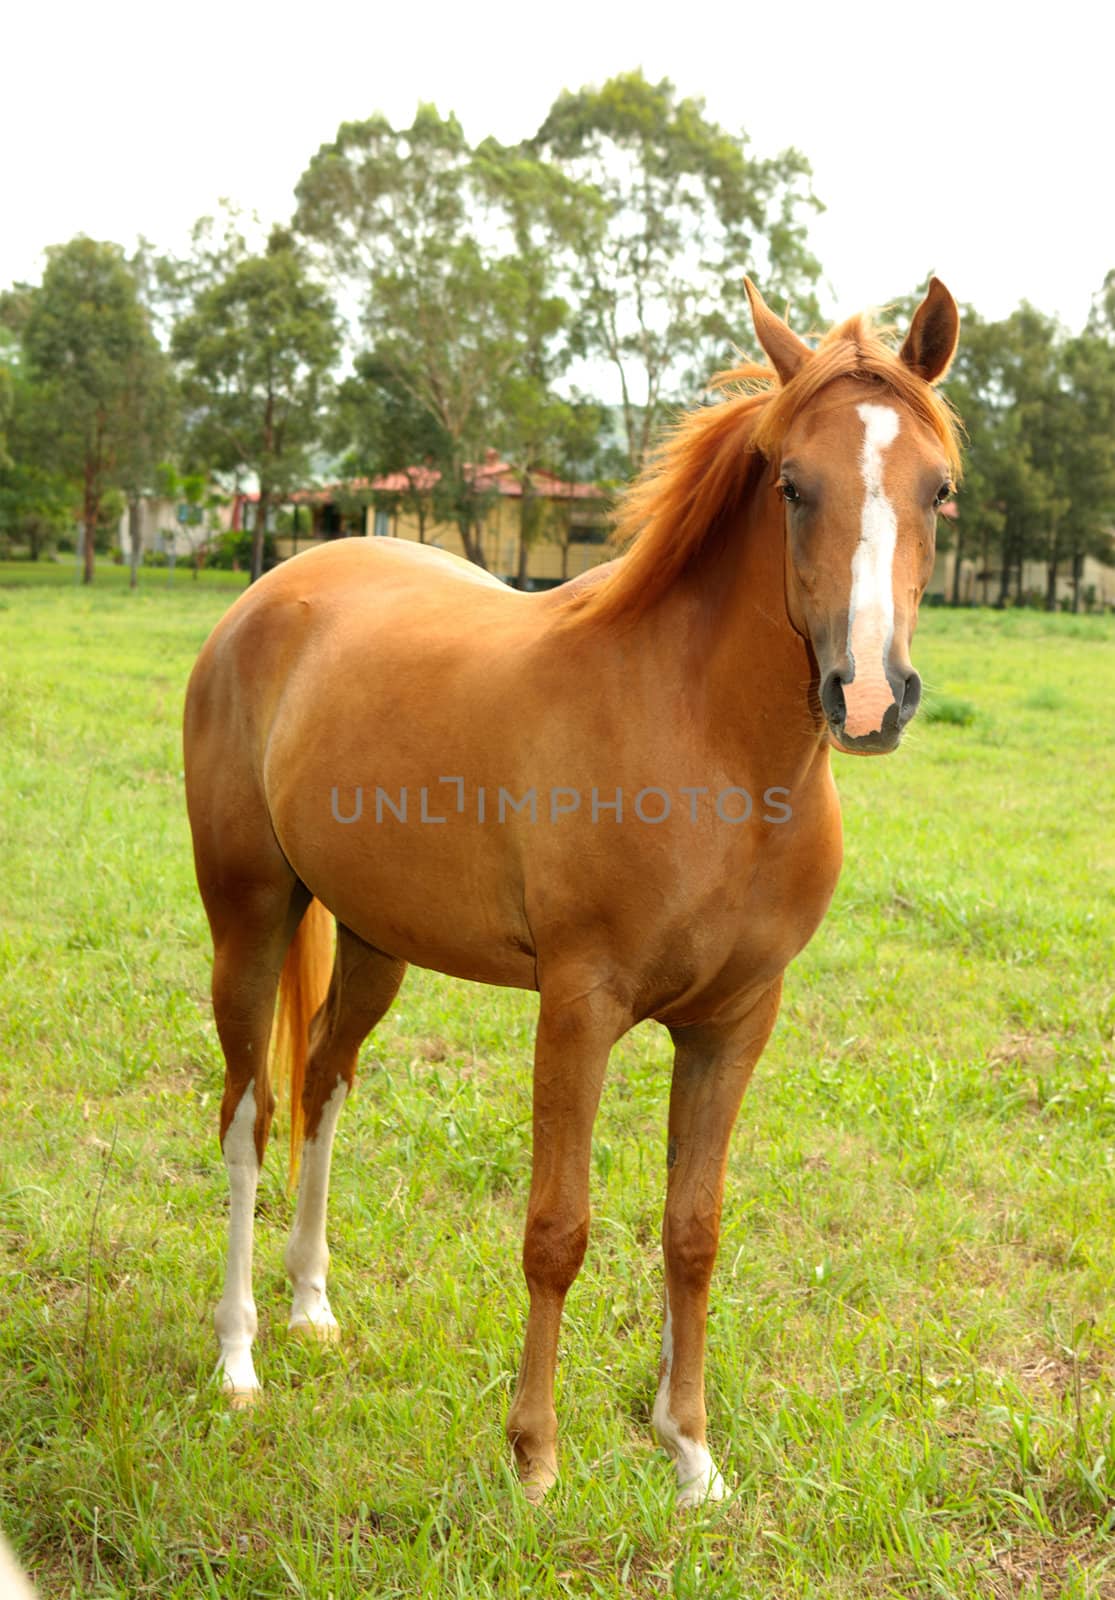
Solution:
(863, 453)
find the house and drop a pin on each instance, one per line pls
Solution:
(166, 526)
(572, 520)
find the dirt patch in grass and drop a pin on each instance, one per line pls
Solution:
(1037, 1050)
(432, 1049)
(1053, 1374)
(1046, 1566)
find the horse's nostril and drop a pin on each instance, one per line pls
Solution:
(832, 699)
(910, 698)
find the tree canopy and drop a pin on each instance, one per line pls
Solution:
(683, 213)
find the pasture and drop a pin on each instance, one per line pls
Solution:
(912, 1331)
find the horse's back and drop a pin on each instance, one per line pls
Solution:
(344, 599)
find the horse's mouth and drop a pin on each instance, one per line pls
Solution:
(881, 742)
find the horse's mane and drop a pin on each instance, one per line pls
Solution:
(713, 458)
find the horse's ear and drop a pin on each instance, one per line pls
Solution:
(785, 350)
(931, 342)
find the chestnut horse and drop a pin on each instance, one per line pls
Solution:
(617, 793)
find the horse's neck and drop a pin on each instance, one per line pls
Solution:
(745, 669)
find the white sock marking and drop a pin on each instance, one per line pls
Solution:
(698, 1479)
(871, 606)
(307, 1253)
(235, 1318)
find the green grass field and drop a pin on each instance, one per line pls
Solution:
(912, 1342)
(57, 574)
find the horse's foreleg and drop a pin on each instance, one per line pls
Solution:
(575, 1035)
(363, 985)
(712, 1065)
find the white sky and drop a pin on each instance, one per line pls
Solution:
(942, 137)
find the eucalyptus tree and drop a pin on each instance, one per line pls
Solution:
(379, 430)
(1089, 455)
(449, 252)
(255, 354)
(1038, 406)
(683, 212)
(36, 500)
(7, 394)
(95, 367)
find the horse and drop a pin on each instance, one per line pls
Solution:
(617, 793)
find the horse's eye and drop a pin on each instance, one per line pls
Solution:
(942, 494)
(788, 491)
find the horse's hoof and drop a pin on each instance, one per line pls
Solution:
(701, 1491)
(315, 1332)
(537, 1480)
(241, 1399)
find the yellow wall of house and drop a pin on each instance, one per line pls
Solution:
(1096, 575)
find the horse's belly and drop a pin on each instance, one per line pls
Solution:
(410, 879)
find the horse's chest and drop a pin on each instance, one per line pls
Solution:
(754, 909)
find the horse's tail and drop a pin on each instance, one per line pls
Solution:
(302, 988)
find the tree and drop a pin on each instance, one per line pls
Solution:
(683, 213)
(530, 421)
(579, 454)
(152, 408)
(1089, 456)
(93, 363)
(1039, 410)
(255, 353)
(447, 246)
(7, 395)
(35, 503)
(381, 430)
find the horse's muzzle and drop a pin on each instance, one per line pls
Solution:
(906, 692)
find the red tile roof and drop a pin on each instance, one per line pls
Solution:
(494, 477)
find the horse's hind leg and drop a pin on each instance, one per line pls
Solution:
(712, 1066)
(253, 923)
(362, 987)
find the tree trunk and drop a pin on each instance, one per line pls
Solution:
(526, 516)
(957, 552)
(258, 533)
(135, 538)
(1077, 574)
(1052, 563)
(1007, 561)
(1051, 583)
(91, 506)
(472, 539)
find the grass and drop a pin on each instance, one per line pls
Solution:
(47, 573)
(912, 1341)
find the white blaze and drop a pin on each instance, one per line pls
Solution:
(871, 607)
